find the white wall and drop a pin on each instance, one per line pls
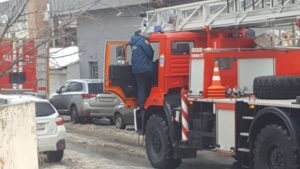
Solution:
(59, 76)
(18, 143)
(101, 26)
(73, 71)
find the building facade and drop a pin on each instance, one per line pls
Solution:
(106, 20)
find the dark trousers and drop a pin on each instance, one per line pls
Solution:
(144, 84)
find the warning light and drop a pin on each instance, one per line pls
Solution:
(157, 28)
(251, 106)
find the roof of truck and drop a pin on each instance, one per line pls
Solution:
(177, 35)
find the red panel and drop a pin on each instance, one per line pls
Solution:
(288, 63)
(225, 106)
(29, 66)
(229, 76)
(230, 39)
(28, 52)
(6, 60)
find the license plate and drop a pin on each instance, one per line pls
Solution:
(40, 126)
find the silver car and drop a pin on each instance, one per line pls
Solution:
(84, 99)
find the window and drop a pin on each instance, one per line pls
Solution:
(94, 70)
(182, 48)
(155, 47)
(95, 88)
(43, 109)
(64, 87)
(75, 87)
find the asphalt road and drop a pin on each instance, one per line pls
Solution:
(92, 146)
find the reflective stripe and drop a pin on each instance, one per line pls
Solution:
(216, 78)
(185, 117)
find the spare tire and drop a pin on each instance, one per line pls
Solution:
(276, 87)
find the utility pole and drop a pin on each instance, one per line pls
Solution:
(38, 31)
(36, 24)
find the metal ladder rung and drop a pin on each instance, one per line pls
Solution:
(218, 14)
(247, 117)
(245, 150)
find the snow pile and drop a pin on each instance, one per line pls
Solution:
(62, 57)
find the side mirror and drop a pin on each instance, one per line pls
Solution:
(120, 54)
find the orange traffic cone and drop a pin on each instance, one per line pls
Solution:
(216, 90)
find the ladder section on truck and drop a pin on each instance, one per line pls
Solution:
(221, 14)
(244, 118)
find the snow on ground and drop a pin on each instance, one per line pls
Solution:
(94, 146)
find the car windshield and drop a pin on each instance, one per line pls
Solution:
(95, 88)
(44, 109)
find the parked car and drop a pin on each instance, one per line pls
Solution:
(50, 129)
(123, 116)
(84, 99)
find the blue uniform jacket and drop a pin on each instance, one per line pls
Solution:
(142, 55)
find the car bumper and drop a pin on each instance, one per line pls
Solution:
(52, 142)
(100, 112)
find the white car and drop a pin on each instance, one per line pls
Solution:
(50, 129)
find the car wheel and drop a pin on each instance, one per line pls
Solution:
(55, 156)
(74, 115)
(119, 121)
(158, 144)
(274, 149)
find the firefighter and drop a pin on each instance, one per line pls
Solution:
(142, 66)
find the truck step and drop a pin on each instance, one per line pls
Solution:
(245, 150)
(247, 117)
(244, 134)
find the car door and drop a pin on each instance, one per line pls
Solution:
(58, 99)
(104, 101)
(118, 78)
(73, 95)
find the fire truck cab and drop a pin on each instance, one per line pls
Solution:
(231, 125)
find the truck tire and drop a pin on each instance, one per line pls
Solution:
(274, 149)
(158, 144)
(55, 156)
(276, 87)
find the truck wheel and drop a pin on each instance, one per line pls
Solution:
(158, 144)
(119, 121)
(74, 115)
(276, 87)
(274, 149)
(55, 156)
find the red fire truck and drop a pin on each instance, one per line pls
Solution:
(18, 67)
(215, 90)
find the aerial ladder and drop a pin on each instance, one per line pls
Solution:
(222, 14)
